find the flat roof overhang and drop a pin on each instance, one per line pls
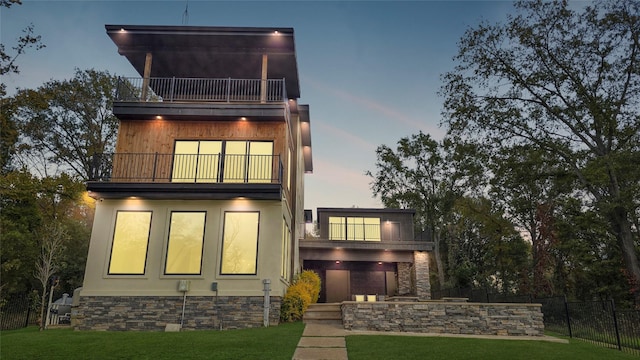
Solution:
(181, 191)
(359, 255)
(210, 52)
(367, 245)
(198, 111)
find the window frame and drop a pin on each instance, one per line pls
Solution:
(168, 244)
(223, 174)
(222, 244)
(113, 244)
(349, 227)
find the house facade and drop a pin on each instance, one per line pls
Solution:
(198, 218)
(366, 254)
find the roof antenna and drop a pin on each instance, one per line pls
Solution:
(185, 15)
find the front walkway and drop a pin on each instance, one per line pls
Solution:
(322, 342)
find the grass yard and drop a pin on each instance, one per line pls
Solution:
(272, 343)
(368, 347)
(275, 343)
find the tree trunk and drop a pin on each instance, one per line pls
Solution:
(622, 230)
(43, 300)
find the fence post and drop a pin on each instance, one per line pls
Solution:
(615, 323)
(566, 310)
(26, 321)
(486, 293)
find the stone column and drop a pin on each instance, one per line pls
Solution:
(421, 268)
(404, 278)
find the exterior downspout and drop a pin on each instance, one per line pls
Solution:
(267, 301)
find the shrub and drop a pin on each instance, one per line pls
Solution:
(313, 280)
(295, 302)
(304, 291)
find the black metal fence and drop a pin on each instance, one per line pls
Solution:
(17, 312)
(598, 322)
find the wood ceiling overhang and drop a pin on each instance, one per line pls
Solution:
(210, 52)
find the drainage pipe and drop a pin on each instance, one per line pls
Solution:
(266, 288)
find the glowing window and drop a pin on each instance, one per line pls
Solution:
(130, 243)
(196, 161)
(184, 248)
(240, 243)
(354, 228)
(260, 162)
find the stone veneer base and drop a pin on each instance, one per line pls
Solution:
(444, 318)
(153, 313)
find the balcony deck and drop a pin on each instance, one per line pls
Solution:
(185, 176)
(201, 99)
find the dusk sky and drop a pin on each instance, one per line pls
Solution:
(369, 70)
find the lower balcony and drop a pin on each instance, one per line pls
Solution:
(187, 176)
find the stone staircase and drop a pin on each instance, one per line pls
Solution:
(323, 314)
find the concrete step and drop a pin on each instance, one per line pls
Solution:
(323, 313)
(325, 307)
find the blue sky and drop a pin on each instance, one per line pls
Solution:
(369, 70)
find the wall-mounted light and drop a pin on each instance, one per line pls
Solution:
(243, 118)
(379, 262)
(337, 261)
(158, 117)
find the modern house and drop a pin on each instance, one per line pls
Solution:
(367, 254)
(198, 220)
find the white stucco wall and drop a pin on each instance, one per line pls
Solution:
(98, 282)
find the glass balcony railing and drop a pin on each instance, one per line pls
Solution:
(200, 90)
(187, 168)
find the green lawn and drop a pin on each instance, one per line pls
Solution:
(368, 347)
(275, 343)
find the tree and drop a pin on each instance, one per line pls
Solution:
(566, 83)
(19, 221)
(28, 203)
(26, 41)
(68, 124)
(8, 128)
(484, 248)
(53, 236)
(416, 175)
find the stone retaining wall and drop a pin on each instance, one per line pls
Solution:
(155, 312)
(445, 318)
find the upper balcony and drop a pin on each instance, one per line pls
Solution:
(186, 176)
(225, 90)
(200, 98)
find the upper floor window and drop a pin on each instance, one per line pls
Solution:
(130, 243)
(354, 228)
(223, 161)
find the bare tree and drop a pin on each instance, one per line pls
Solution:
(54, 235)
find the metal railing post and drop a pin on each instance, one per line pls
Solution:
(172, 89)
(566, 311)
(229, 90)
(615, 324)
(155, 165)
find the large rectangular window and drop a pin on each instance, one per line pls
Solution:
(196, 161)
(223, 161)
(354, 228)
(130, 243)
(184, 248)
(240, 243)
